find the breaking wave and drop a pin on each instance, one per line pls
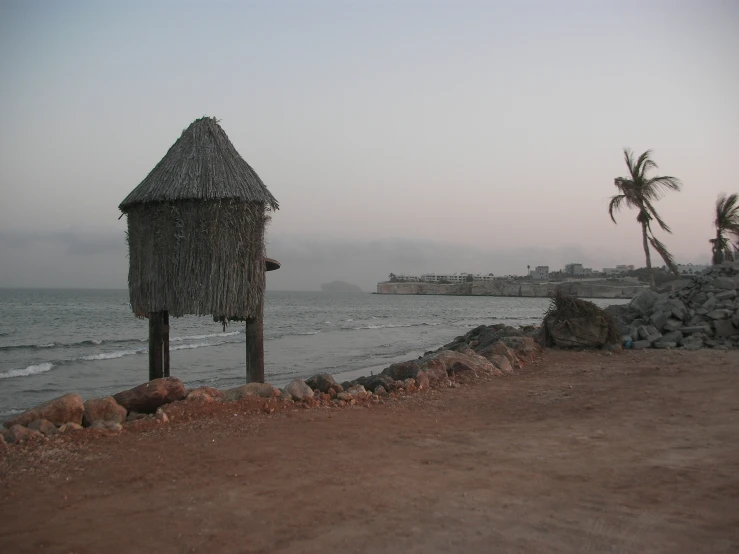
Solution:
(26, 371)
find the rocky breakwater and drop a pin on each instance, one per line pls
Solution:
(483, 353)
(703, 313)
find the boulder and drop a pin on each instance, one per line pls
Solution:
(262, 390)
(422, 380)
(658, 319)
(357, 391)
(726, 283)
(724, 328)
(205, 394)
(106, 409)
(642, 303)
(43, 426)
(692, 343)
(322, 382)
(501, 363)
(438, 365)
(456, 367)
(672, 324)
(580, 332)
(148, 397)
(298, 390)
(640, 344)
(673, 336)
(67, 408)
(664, 344)
(107, 425)
(402, 370)
(371, 382)
(18, 433)
(69, 427)
(720, 313)
(501, 349)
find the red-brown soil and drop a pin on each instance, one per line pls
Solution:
(582, 452)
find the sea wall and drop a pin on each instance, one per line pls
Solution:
(512, 288)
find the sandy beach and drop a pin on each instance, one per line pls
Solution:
(578, 452)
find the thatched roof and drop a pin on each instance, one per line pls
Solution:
(201, 165)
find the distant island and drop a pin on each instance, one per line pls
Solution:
(340, 286)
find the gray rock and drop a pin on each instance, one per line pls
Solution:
(726, 295)
(709, 304)
(658, 319)
(654, 337)
(322, 382)
(672, 324)
(726, 283)
(640, 344)
(642, 332)
(298, 390)
(693, 329)
(642, 303)
(724, 328)
(664, 345)
(672, 336)
(692, 343)
(719, 314)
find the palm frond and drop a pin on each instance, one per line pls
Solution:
(631, 164)
(727, 212)
(656, 216)
(666, 256)
(656, 187)
(615, 205)
(645, 163)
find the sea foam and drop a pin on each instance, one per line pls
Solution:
(26, 371)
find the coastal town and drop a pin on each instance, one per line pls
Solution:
(539, 273)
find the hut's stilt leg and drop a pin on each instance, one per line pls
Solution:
(255, 349)
(158, 345)
(165, 344)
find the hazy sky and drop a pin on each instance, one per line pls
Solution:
(400, 136)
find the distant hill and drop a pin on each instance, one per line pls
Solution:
(340, 286)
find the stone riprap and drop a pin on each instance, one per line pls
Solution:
(703, 313)
(486, 351)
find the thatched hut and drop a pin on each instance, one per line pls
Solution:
(196, 236)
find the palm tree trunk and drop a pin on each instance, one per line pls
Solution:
(646, 254)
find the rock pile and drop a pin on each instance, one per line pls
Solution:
(484, 351)
(703, 313)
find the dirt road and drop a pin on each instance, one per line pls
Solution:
(583, 452)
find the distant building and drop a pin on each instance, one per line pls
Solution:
(540, 273)
(455, 277)
(690, 269)
(574, 269)
(618, 270)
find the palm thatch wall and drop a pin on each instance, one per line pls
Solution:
(196, 230)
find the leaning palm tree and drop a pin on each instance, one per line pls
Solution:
(641, 192)
(727, 223)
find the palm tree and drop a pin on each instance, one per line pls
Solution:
(641, 192)
(727, 223)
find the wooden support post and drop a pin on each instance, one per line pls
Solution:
(158, 345)
(255, 348)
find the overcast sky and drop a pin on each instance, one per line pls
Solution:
(397, 136)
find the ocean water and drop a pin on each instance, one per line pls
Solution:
(88, 341)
